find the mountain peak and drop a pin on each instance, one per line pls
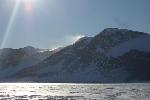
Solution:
(110, 30)
(111, 37)
(29, 47)
(113, 31)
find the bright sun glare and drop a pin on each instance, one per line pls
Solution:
(27, 6)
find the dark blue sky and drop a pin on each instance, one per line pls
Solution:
(53, 23)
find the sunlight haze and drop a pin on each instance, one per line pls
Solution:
(51, 23)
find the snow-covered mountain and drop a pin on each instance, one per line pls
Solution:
(114, 55)
(13, 60)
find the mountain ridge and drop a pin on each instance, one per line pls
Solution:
(92, 59)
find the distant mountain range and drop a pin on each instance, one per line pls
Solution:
(113, 55)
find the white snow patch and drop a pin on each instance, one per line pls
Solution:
(141, 44)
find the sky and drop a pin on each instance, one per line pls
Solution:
(57, 23)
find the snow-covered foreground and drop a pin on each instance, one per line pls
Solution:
(52, 91)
